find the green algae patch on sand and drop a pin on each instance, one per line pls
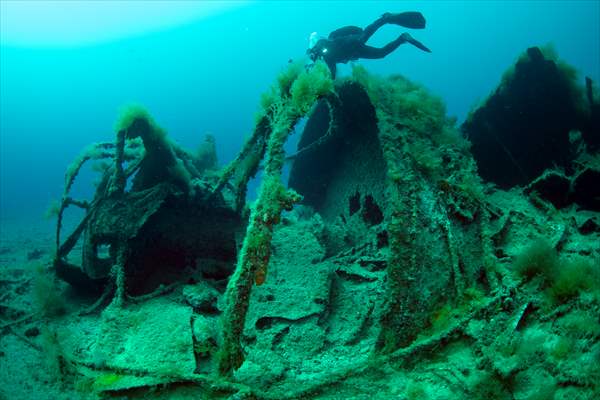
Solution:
(106, 381)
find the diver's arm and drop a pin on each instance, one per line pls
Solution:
(332, 67)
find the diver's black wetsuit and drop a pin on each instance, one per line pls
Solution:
(350, 42)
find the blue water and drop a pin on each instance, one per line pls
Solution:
(207, 73)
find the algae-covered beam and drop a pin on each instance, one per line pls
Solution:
(95, 151)
(118, 184)
(256, 251)
(253, 150)
(284, 112)
(401, 304)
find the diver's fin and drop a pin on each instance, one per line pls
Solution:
(420, 45)
(409, 19)
(409, 39)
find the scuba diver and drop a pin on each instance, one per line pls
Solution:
(350, 42)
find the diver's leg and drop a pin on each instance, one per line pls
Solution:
(372, 28)
(380, 52)
(409, 19)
